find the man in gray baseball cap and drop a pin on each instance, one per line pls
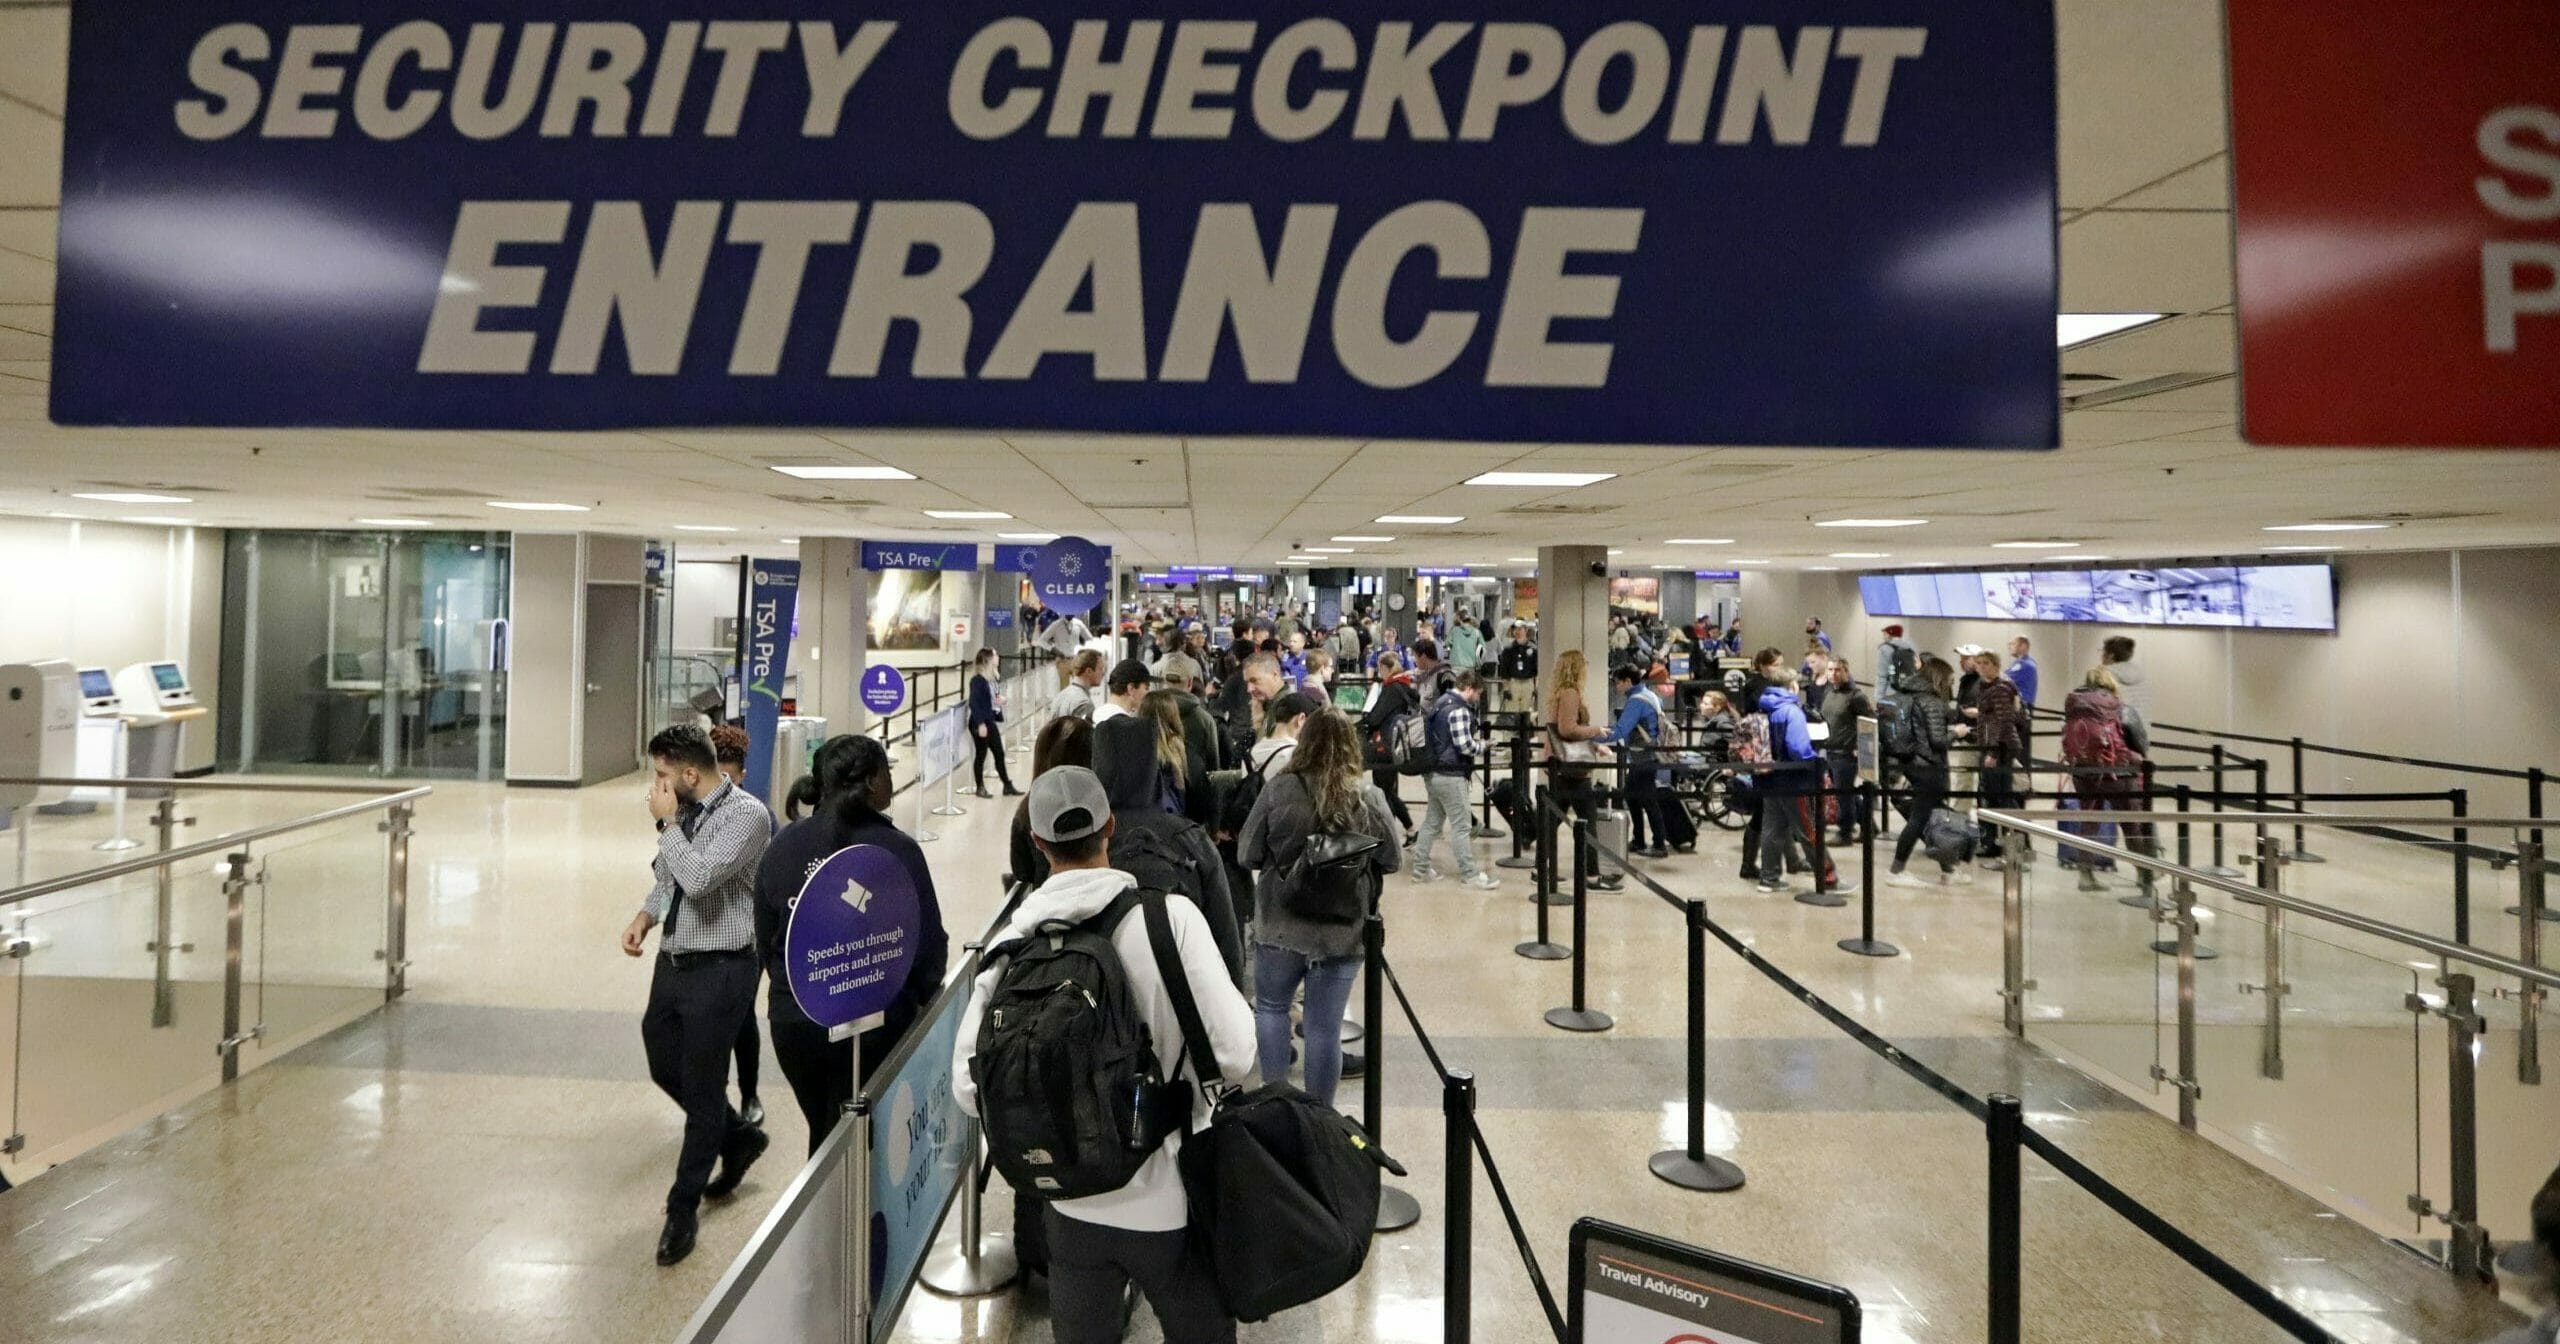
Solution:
(1068, 807)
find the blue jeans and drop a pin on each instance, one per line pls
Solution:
(1277, 972)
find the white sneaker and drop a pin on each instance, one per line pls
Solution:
(1962, 877)
(1424, 873)
(1903, 880)
(1480, 882)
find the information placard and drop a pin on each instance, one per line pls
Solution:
(942, 745)
(1631, 1287)
(852, 936)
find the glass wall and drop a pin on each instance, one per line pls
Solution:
(381, 654)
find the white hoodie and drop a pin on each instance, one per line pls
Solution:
(1153, 1200)
(1270, 756)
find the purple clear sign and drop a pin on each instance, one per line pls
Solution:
(883, 689)
(852, 938)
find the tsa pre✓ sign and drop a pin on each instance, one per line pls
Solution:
(1627, 220)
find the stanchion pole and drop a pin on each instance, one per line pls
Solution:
(2259, 801)
(1550, 891)
(979, 1265)
(1824, 894)
(1866, 944)
(1397, 1210)
(1458, 1167)
(2146, 893)
(1520, 793)
(2007, 1121)
(1486, 830)
(1543, 948)
(2461, 800)
(2300, 805)
(2219, 868)
(1579, 1015)
(1691, 1168)
(2179, 904)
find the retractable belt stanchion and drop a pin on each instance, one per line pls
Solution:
(1692, 1167)
(1520, 793)
(1397, 1209)
(2300, 855)
(2146, 895)
(1485, 829)
(1543, 948)
(2533, 808)
(2005, 1125)
(2461, 866)
(1550, 889)
(1809, 805)
(1457, 1269)
(2219, 868)
(1579, 1015)
(980, 1264)
(2183, 894)
(1866, 944)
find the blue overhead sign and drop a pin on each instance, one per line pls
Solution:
(1071, 574)
(1016, 559)
(1803, 222)
(919, 555)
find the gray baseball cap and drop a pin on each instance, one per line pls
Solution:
(1068, 803)
(1181, 667)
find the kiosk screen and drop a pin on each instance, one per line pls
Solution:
(168, 678)
(95, 684)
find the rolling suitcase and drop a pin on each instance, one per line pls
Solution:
(1609, 831)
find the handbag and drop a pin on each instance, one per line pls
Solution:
(1283, 1191)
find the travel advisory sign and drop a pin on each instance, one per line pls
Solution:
(852, 937)
(1799, 221)
(2396, 183)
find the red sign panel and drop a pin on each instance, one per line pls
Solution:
(2396, 173)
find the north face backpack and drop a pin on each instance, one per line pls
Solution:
(1409, 743)
(1069, 1087)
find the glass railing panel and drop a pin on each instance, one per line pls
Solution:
(312, 955)
(2097, 999)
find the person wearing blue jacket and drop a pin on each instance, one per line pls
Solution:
(1636, 733)
(986, 725)
(1786, 807)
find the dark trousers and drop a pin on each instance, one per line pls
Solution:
(990, 743)
(1789, 822)
(690, 1029)
(1926, 782)
(750, 1057)
(824, 1074)
(1999, 786)
(1580, 794)
(1844, 786)
(1091, 1266)
(1645, 798)
(1388, 781)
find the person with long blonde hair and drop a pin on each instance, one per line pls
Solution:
(1298, 940)
(1573, 748)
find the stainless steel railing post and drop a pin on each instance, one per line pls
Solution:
(2534, 899)
(165, 822)
(2271, 861)
(2013, 946)
(235, 895)
(395, 920)
(2468, 1247)
(980, 1264)
(2184, 1080)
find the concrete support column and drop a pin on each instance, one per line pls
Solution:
(1679, 596)
(1392, 584)
(835, 608)
(1573, 613)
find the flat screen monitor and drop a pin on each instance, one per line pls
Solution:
(168, 678)
(2264, 597)
(95, 684)
(1351, 697)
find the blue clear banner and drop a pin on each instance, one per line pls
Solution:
(1016, 559)
(1071, 575)
(919, 555)
(773, 606)
(1637, 221)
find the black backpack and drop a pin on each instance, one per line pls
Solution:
(1236, 805)
(1148, 846)
(1328, 880)
(1069, 1087)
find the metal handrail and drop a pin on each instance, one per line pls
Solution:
(218, 844)
(2339, 820)
(202, 784)
(2255, 895)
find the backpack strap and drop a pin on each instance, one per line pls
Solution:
(1186, 1009)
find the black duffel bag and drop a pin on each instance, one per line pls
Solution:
(1283, 1190)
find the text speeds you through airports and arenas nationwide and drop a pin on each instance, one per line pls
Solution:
(1618, 224)
(2267, 597)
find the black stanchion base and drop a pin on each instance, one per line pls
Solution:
(1552, 898)
(1710, 1174)
(1865, 947)
(1396, 1209)
(1579, 1019)
(2550, 916)
(1543, 951)
(1516, 861)
(1829, 900)
(2168, 947)
(1491, 833)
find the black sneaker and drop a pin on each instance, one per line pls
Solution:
(744, 1148)
(1354, 1064)
(752, 1111)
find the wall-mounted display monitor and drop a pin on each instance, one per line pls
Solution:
(2265, 597)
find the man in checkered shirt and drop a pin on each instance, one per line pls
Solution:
(711, 835)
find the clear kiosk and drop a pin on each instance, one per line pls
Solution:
(158, 704)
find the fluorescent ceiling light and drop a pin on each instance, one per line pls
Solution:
(1375, 539)
(1521, 560)
(536, 506)
(133, 497)
(1028, 536)
(2079, 558)
(1875, 522)
(965, 513)
(1617, 550)
(76, 517)
(2072, 329)
(1824, 569)
(1746, 562)
(1560, 479)
(1423, 519)
(160, 522)
(1698, 541)
(2033, 545)
(1862, 555)
(790, 541)
(833, 471)
(1297, 562)
(395, 522)
(2315, 527)
(703, 527)
(2301, 548)
(1330, 550)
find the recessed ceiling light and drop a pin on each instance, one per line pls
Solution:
(1027, 536)
(1617, 550)
(1380, 540)
(1746, 562)
(1862, 555)
(2328, 527)
(835, 471)
(1423, 519)
(703, 527)
(395, 522)
(133, 497)
(965, 513)
(2072, 329)
(1560, 479)
(2033, 545)
(1297, 562)
(790, 541)
(160, 522)
(2076, 559)
(1824, 569)
(1698, 541)
(536, 506)
(76, 517)
(1521, 560)
(2300, 548)
(1330, 550)
(1875, 522)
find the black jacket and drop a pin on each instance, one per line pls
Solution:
(1518, 662)
(786, 866)
(1124, 758)
(982, 703)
